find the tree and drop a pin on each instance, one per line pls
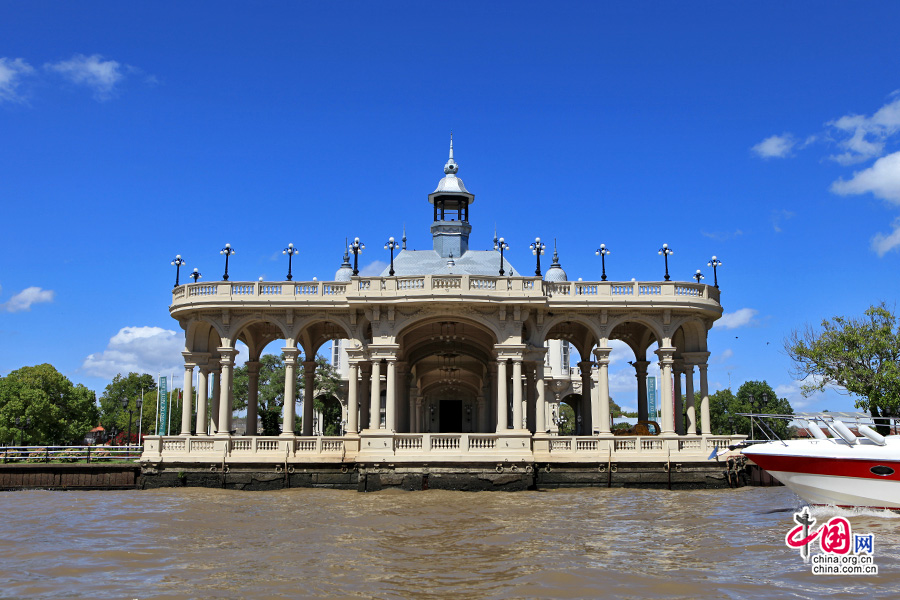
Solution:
(58, 411)
(270, 389)
(724, 409)
(130, 387)
(859, 355)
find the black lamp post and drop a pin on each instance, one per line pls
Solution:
(22, 429)
(698, 276)
(356, 247)
(290, 251)
(714, 263)
(391, 245)
(195, 274)
(731, 423)
(125, 406)
(602, 251)
(502, 245)
(537, 248)
(227, 251)
(178, 261)
(666, 251)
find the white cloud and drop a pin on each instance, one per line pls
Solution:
(24, 299)
(864, 137)
(90, 71)
(778, 216)
(776, 146)
(620, 352)
(140, 350)
(373, 269)
(11, 73)
(723, 357)
(882, 179)
(882, 243)
(738, 318)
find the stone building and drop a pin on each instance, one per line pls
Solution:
(451, 354)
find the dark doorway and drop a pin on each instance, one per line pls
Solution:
(451, 416)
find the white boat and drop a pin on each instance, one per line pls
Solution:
(844, 470)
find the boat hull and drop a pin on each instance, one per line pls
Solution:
(836, 473)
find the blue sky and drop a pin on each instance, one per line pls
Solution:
(766, 134)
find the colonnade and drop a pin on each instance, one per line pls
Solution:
(513, 396)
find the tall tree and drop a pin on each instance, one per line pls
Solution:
(858, 355)
(752, 397)
(58, 411)
(131, 387)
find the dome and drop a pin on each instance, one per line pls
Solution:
(555, 272)
(346, 271)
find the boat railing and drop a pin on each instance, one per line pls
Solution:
(841, 426)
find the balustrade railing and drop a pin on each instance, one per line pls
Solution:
(442, 284)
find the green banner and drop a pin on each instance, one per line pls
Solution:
(651, 397)
(162, 427)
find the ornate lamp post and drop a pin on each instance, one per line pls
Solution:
(356, 247)
(698, 276)
(602, 251)
(195, 275)
(22, 429)
(391, 245)
(666, 251)
(227, 251)
(502, 245)
(537, 248)
(714, 263)
(178, 261)
(290, 251)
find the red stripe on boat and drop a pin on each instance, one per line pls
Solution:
(839, 467)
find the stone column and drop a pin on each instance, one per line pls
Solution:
(665, 387)
(502, 397)
(704, 401)
(540, 408)
(252, 396)
(290, 392)
(365, 379)
(187, 402)
(225, 407)
(353, 399)
(640, 372)
(586, 404)
(517, 393)
(491, 417)
(375, 396)
(678, 369)
(309, 396)
(202, 399)
(390, 397)
(689, 392)
(214, 402)
(530, 400)
(419, 416)
(602, 355)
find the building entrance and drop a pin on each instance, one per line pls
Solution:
(451, 416)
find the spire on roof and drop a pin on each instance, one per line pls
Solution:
(451, 167)
(403, 239)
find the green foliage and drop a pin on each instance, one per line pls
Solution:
(131, 387)
(59, 412)
(860, 355)
(567, 415)
(270, 390)
(724, 408)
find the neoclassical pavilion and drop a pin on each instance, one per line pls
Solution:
(451, 357)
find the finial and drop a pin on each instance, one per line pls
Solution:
(450, 261)
(495, 236)
(451, 167)
(555, 255)
(346, 262)
(403, 239)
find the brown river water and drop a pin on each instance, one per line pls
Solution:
(318, 543)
